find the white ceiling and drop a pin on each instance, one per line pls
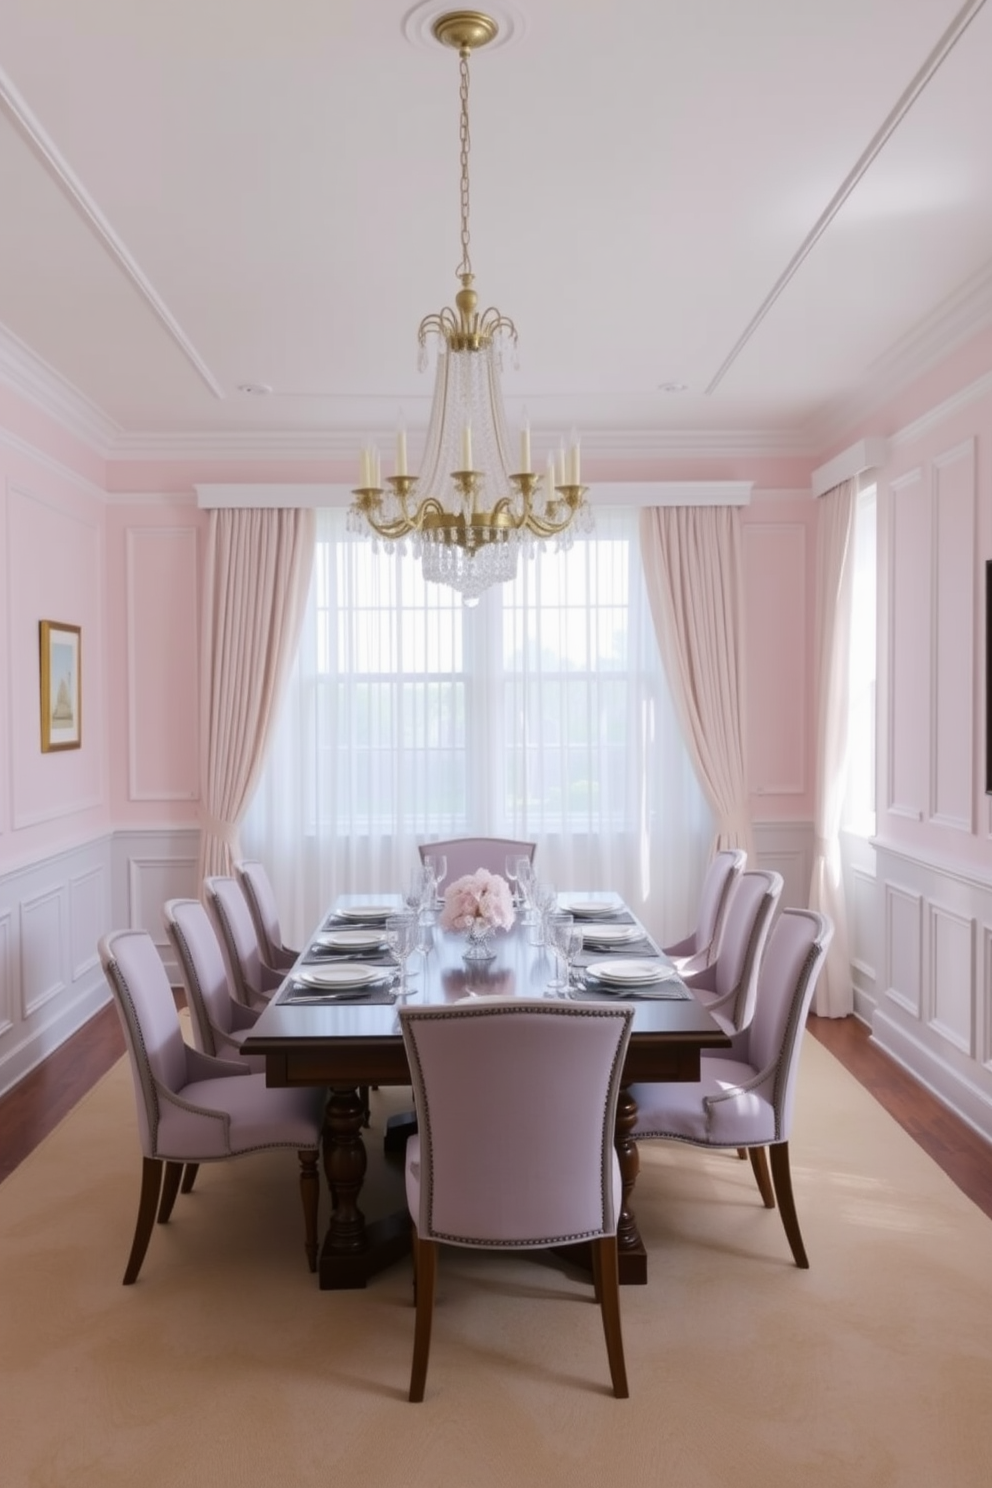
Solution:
(784, 204)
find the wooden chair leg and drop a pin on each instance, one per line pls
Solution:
(310, 1194)
(605, 1251)
(170, 1188)
(151, 1183)
(759, 1165)
(779, 1153)
(742, 1153)
(189, 1177)
(425, 1264)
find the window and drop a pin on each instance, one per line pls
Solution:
(541, 713)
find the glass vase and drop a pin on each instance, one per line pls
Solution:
(480, 943)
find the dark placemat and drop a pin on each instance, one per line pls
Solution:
(298, 994)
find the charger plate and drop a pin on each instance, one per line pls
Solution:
(367, 911)
(342, 974)
(350, 940)
(609, 935)
(590, 909)
(632, 972)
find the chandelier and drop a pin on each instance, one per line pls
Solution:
(468, 514)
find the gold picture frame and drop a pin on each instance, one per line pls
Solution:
(61, 686)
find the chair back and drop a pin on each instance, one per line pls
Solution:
(232, 919)
(147, 1009)
(516, 1104)
(753, 901)
(208, 991)
(793, 960)
(717, 891)
(261, 901)
(466, 854)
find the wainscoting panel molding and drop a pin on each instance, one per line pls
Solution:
(52, 914)
(937, 1021)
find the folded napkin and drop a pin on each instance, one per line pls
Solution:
(299, 994)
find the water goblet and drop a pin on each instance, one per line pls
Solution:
(438, 865)
(402, 936)
(526, 882)
(573, 949)
(558, 927)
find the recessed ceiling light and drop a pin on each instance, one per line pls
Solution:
(254, 389)
(673, 387)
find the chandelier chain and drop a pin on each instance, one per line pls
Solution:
(465, 267)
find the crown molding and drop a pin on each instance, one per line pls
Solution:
(951, 325)
(242, 494)
(327, 444)
(48, 462)
(934, 416)
(30, 378)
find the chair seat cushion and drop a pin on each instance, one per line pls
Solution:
(260, 1117)
(680, 1111)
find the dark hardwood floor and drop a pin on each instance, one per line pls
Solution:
(39, 1102)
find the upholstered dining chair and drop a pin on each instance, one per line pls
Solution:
(220, 1022)
(192, 1108)
(252, 978)
(516, 1103)
(727, 988)
(466, 854)
(746, 1097)
(700, 949)
(261, 900)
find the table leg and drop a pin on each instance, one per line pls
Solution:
(353, 1250)
(631, 1255)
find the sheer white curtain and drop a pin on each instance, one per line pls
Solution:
(254, 592)
(541, 714)
(694, 576)
(834, 996)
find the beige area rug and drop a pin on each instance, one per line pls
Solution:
(226, 1365)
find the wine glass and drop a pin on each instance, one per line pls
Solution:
(558, 928)
(402, 937)
(438, 865)
(576, 942)
(526, 882)
(419, 900)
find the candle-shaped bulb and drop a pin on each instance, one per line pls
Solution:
(365, 472)
(573, 472)
(401, 450)
(467, 447)
(525, 446)
(561, 465)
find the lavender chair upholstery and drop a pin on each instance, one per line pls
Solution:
(747, 1099)
(466, 854)
(729, 986)
(252, 979)
(193, 1108)
(261, 900)
(700, 949)
(220, 1022)
(516, 1104)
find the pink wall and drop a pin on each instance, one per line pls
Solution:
(53, 563)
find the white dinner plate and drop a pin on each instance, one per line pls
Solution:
(591, 909)
(341, 974)
(631, 973)
(350, 940)
(607, 935)
(367, 911)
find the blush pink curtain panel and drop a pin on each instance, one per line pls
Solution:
(693, 571)
(834, 582)
(255, 592)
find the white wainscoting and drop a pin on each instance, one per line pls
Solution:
(932, 1009)
(787, 847)
(52, 915)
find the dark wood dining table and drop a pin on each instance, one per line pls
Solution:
(348, 1046)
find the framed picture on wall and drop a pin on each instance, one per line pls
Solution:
(61, 686)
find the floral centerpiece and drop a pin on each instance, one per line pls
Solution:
(479, 904)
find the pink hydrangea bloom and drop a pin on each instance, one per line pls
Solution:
(478, 896)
